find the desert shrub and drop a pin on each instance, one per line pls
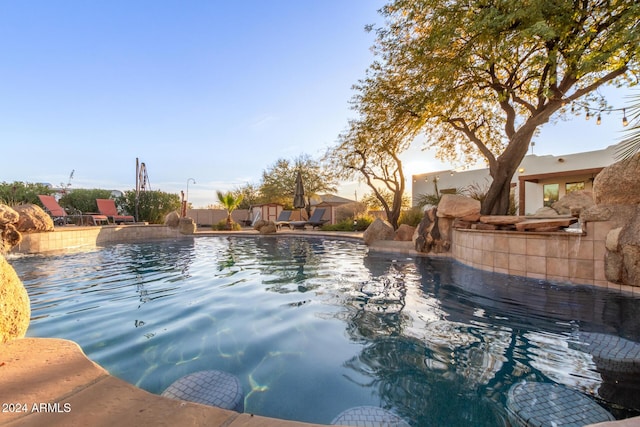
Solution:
(222, 226)
(83, 200)
(411, 216)
(18, 192)
(153, 206)
(360, 224)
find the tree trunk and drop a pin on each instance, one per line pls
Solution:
(496, 201)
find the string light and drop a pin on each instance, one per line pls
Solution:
(588, 115)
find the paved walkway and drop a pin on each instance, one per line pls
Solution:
(50, 382)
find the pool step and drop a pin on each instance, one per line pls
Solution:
(368, 416)
(213, 388)
(610, 353)
(533, 404)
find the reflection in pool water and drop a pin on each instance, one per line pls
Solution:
(315, 326)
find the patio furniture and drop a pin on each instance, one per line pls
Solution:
(284, 219)
(108, 207)
(60, 216)
(316, 218)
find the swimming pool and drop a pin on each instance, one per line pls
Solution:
(315, 326)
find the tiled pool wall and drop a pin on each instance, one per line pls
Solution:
(554, 256)
(71, 237)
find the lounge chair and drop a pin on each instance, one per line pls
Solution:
(61, 217)
(316, 218)
(108, 207)
(284, 219)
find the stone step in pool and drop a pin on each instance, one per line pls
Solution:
(533, 404)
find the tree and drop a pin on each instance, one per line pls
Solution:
(367, 151)
(278, 182)
(479, 77)
(250, 195)
(230, 202)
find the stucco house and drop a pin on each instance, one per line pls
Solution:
(539, 180)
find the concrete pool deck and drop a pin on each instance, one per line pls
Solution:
(50, 381)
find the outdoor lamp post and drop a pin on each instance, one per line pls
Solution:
(186, 199)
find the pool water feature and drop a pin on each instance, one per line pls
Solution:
(313, 327)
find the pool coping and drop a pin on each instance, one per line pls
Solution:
(57, 384)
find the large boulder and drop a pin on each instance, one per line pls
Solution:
(617, 184)
(629, 249)
(617, 196)
(186, 226)
(32, 219)
(378, 230)
(458, 206)
(172, 219)
(265, 227)
(15, 309)
(404, 233)
(8, 215)
(9, 235)
(433, 234)
(574, 202)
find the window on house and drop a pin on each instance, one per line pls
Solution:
(573, 186)
(551, 193)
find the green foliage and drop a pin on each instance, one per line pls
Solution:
(359, 224)
(15, 193)
(83, 200)
(230, 202)
(411, 216)
(250, 194)
(153, 205)
(224, 226)
(479, 78)
(428, 200)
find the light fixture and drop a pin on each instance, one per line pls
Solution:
(588, 116)
(624, 118)
(599, 119)
(186, 199)
(521, 170)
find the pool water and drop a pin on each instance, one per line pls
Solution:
(314, 326)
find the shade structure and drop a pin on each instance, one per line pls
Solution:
(298, 195)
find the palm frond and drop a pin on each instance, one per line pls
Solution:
(630, 145)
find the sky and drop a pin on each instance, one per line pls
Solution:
(204, 90)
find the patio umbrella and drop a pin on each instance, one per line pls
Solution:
(298, 195)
